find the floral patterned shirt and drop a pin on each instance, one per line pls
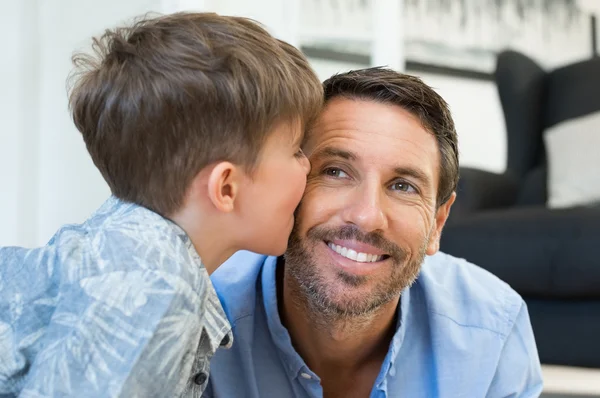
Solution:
(119, 306)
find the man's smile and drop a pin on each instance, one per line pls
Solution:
(355, 257)
(357, 251)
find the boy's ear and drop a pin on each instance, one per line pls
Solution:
(223, 186)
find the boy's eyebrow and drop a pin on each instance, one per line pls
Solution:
(298, 139)
(330, 152)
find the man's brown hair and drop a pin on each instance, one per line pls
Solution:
(161, 99)
(409, 92)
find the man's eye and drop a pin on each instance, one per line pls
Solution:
(403, 187)
(335, 172)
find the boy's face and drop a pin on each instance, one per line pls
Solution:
(272, 193)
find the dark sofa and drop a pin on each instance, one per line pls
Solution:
(501, 221)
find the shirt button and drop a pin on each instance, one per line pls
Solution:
(306, 376)
(225, 340)
(200, 378)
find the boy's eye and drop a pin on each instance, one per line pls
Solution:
(403, 187)
(299, 154)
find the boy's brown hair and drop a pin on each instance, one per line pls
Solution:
(172, 94)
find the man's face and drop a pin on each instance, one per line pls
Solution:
(368, 215)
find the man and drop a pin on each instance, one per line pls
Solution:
(363, 304)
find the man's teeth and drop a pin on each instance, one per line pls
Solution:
(353, 255)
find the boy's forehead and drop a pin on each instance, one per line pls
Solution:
(297, 131)
(289, 130)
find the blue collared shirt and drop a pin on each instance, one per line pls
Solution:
(461, 333)
(120, 306)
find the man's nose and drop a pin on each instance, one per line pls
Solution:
(364, 208)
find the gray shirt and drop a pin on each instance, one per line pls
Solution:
(119, 306)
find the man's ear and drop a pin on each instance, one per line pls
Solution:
(223, 186)
(441, 217)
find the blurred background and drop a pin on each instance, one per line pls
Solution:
(522, 78)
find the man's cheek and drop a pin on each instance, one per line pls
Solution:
(414, 221)
(313, 182)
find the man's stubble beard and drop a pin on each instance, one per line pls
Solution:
(311, 291)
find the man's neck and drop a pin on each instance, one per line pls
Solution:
(335, 345)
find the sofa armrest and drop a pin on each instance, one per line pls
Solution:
(483, 190)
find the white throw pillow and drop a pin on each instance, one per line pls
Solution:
(573, 153)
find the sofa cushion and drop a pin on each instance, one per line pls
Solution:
(533, 191)
(521, 84)
(572, 150)
(572, 91)
(540, 252)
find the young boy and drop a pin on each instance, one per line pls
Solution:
(195, 122)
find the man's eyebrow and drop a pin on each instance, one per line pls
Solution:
(414, 173)
(330, 152)
(407, 171)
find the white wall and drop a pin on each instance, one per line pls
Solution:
(19, 70)
(477, 112)
(70, 187)
(9, 122)
(46, 175)
(273, 14)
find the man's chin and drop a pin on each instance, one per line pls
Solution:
(344, 294)
(333, 291)
(355, 305)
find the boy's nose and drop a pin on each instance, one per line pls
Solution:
(306, 165)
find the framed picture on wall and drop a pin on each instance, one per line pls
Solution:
(459, 37)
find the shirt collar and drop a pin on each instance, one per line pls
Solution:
(215, 321)
(388, 367)
(292, 360)
(217, 325)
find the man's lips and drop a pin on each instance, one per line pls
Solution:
(357, 251)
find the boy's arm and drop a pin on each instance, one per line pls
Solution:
(519, 372)
(132, 332)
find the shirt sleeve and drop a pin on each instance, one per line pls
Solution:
(132, 331)
(519, 373)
